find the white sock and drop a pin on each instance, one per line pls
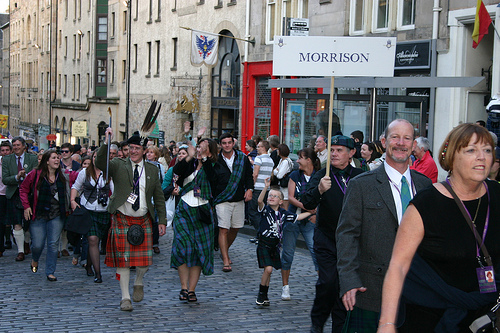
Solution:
(19, 237)
(140, 272)
(123, 274)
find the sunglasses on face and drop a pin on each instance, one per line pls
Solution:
(65, 151)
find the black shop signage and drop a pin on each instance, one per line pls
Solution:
(413, 55)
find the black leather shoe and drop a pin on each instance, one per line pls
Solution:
(98, 279)
(33, 268)
(90, 273)
(51, 279)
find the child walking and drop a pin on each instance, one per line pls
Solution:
(270, 231)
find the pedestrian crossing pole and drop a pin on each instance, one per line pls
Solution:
(330, 118)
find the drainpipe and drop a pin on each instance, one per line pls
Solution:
(432, 93)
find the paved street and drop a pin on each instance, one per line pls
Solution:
(226, 301)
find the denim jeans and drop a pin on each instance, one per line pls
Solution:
(290, 233)
(43, 230)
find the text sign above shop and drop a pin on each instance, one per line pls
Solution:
(413, 55)
(334, 56)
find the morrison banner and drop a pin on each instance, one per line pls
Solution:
(334, 56)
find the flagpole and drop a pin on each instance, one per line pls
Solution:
(252, 41)
(495, 28)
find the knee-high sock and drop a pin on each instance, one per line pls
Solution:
(140, 271)
(124, 274)
(19, 237)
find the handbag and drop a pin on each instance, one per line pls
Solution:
(79, 221)
(204, 214)
(135, 235)
(487, 322)
(170, 208)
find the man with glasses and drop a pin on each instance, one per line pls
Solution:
(15, 167)
(67, 163)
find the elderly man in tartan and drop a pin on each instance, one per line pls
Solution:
(234, 188)
(137, 194)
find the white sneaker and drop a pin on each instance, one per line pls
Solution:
(285, 293)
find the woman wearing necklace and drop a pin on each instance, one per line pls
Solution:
(308, 164)
(94, 190)
(48, 210)
(447, 286)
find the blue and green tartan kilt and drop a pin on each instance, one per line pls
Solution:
(192, 244)
(119, 252)
(361, 321)
(268, 253)
(101, 222)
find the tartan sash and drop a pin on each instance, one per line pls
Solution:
(232, 184)
(200, 180)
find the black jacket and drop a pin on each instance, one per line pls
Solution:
(223, 174)
(328, 204)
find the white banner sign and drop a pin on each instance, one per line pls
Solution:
(204, 48)
(333, 56)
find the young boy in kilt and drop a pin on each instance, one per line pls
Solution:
(270, 232)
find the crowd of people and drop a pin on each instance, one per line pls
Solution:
(391, 246)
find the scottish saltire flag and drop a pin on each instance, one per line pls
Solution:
(204, 47)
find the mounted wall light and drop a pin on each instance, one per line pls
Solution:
(36, 45)
(79, 32)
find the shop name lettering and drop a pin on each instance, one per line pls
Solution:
(407, 56)
(333, 57)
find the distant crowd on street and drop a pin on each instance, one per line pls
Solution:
(393, 248)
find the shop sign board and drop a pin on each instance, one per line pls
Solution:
(413, 55)
(334, 56)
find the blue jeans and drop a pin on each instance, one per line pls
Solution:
(43, 230)
(290, 233)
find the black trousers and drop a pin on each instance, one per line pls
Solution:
(3, 212)
(327, 301)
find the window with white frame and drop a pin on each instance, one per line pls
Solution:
(406, 14)
(278, 10)
(380, 15)
(357, 17)
(270, 21)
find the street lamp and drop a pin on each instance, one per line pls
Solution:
(128, 3)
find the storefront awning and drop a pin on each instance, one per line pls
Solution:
(377, 82)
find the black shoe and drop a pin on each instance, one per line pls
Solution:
(98, 279)
(316, 329)
(51, 279)
(8, 245)
(89, 270)
(261, 299)
(253, 240)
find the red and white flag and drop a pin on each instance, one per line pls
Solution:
(204, 48)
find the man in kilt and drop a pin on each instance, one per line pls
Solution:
(136, 196)
(15, 167)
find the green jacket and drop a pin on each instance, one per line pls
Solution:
(9, 171)
(120, 170)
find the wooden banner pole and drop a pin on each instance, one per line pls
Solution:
(330, 118)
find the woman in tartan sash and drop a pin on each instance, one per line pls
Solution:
(192, 248)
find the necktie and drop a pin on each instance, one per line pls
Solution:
(19, 165)
(135, 205)
(405, 194)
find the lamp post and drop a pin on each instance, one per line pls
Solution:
(128, 3)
